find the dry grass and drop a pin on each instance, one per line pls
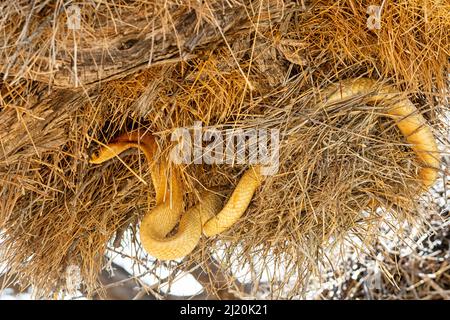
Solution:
(265, 69)
(413, 267)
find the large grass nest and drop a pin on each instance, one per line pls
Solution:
(159, 65)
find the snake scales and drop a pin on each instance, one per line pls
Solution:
(208, 216)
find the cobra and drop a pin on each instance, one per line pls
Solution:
(208, 216)
(409, 121)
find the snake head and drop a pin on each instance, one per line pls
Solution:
(106, 153)
(94, 157)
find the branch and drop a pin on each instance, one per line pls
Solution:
(215, 280)
(123, 286)
(126, 50)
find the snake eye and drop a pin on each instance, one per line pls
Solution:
(95, 154)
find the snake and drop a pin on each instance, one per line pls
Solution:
(409, 121)
(209, 216)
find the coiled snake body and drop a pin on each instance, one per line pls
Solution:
(162, 219)
(207, 215)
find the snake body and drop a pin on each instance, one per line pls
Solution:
(207, 215)
(409, 121)
(161, 220)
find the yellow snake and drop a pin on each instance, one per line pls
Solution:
(161, 220)
(409, 121)
(207, 216)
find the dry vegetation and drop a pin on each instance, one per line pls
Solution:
(159, 65)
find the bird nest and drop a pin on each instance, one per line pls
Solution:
(162, 65)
